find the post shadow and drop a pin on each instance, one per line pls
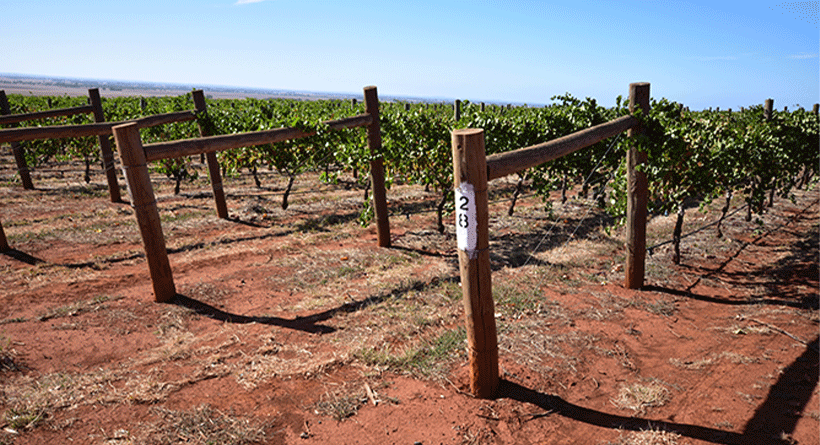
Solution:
(773, 422)
(787, 398)
(22, 256)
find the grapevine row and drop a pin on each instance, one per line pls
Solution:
(693, 157)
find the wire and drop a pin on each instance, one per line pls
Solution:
(578, 226)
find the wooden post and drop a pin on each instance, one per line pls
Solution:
(472, 229)
(105, 147)
(374, 144)
(816, 109)
(16, 148)
(4, 244)
(144, 203)
(637, 195)
(457, 110)
(213, 164)
(768, 107)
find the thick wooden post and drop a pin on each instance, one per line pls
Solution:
(213, 164)
(815, 109)
(637, 195)
(105, 147)
(16, 148)
(457, 110)
(472, 229)
(768, 108)
(4, 244)
(374, 144)
(144, 202)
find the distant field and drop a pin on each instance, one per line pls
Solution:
(77, 87)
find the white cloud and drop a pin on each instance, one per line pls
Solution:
(713, 58)
(802, 56)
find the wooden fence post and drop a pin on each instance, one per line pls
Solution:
(4, 244)
(105, 147)
(374, 144)
(17, 148)
(768, 107)
(144, 203)
(213, 164)
(816, 109)
(637, 195)
(457, 110)
(472, 230)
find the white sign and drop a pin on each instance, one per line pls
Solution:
(466, 227)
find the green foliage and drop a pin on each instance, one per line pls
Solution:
(691, 155)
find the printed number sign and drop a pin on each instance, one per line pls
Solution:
(466, 229)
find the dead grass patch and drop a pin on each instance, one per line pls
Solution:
(342, 402)
(648, 437)
(639, 397)
(201, 425)
(79, 307)
(713, 359)
(427, 359)
(528, 345)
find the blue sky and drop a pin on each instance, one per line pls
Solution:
(701, 53)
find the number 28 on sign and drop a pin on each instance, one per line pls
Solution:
(466, 228)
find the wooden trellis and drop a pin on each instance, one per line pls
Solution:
(135, 156)
(472, 169)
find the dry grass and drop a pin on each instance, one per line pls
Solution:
(79, 307)
(712, 359)
(201, 425)
(647, 437)
(342, 402)
(547, 354)
(426, 358)
(8, 356)
(639, 397)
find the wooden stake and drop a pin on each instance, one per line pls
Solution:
(374, 144)
(144, 203)
(472, 226)
(105, 147)
(4, 244)
(637, 195)
(768, 107)
(16, 148)
(213, 164)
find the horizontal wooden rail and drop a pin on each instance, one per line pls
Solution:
(81, 130)
(15, 118)
(507, 163)
(161, 119)
(210, 144)
(55, 131)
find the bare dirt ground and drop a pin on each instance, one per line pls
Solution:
(292, 327)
